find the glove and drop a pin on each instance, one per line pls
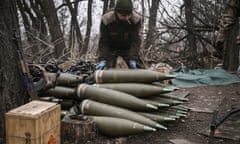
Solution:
(132, 64)
(101, 65)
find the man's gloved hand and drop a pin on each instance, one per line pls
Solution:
(132, 64)
(101, 65)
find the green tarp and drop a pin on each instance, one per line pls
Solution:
(202, 77)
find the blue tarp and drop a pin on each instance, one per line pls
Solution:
(202, 77)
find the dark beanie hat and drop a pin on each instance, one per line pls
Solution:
(124, 6)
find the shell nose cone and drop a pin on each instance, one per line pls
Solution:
(161, 127)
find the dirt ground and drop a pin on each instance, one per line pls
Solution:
(190, 130)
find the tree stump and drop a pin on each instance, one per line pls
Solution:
(77, 130)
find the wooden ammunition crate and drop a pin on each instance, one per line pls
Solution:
(36, 122)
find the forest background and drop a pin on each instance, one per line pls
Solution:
(182, 31)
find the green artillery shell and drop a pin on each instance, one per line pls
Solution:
(172, 109)
(157, 118)
(173, 97)
(166, 114)
(166, 100)
(136, 89)
(113, 97)
(127, 76)
(61, 92)
(176, 113)
(118, 127)
(66, 79)
(90, 107)
(158, 104)
(181, 107)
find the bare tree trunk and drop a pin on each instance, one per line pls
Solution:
(75, 38)
(112, 4)
(108, 4)
(152, 24)
(11, 89)
(231, 50)
(41, 25)
(141, 53)
(30, 27)
(105, 5)
(191, 39)
(49, 11)
(89, 26)
(143, 11)
(34, 25)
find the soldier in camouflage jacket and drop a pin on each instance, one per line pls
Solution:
(119, 36)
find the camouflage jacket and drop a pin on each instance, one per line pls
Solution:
(116, 35)
(229, 18)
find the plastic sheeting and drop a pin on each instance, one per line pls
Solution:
(202, 77)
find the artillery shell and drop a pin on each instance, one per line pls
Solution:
(136, 89)
(113, 97)
(90, 107)
(128, 76)
(118, 127)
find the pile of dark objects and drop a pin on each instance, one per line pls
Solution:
(121, 102)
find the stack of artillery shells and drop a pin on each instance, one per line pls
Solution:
(123, 102)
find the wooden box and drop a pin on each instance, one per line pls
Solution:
(36, 122)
